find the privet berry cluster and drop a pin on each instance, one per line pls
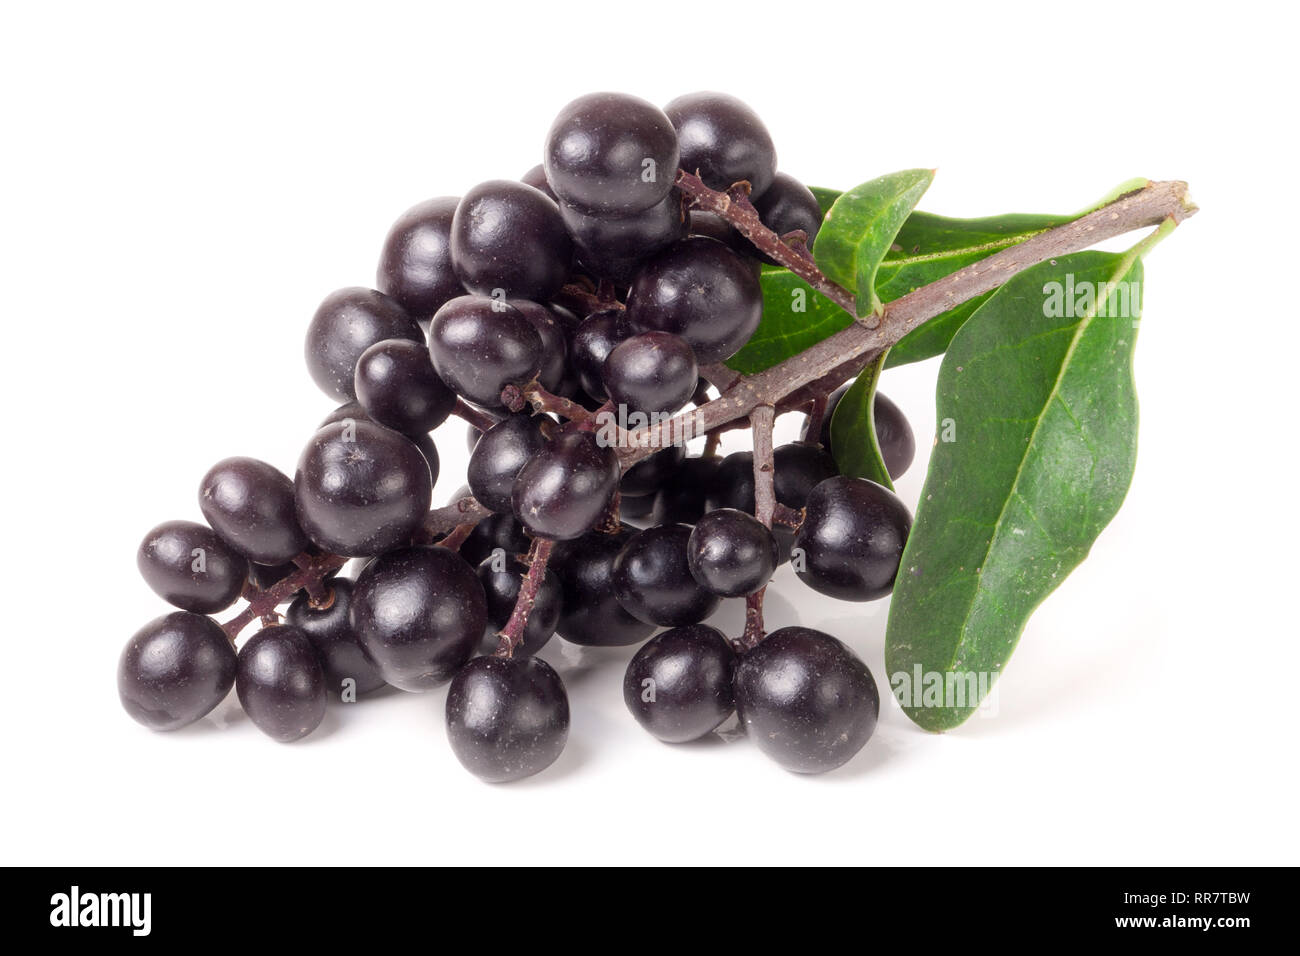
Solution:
(538, 311)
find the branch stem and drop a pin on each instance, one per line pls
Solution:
(734, 206)
(512, 635)
(311, 572)
(835, 358)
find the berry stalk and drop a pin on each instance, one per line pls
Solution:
(309, 576)
(512, 634)
(734, 206)
(473, 416)
(760, 420)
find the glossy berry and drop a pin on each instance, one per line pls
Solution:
(495, 531)
(651, 372)
(592, 614)
(732, 553)
(281, 684)
(502, 576)
(806, 699)
(653, 581)
(347, 323)
(552, 330)
(329, 629)
(702, 291)
(509, 237)
(852, 539)
(418, 613)
(788, 205)
(361, 489)
(893, 433)
(611, 153)
(175, 670)
(536, 177)
(797, 469)
(189, 566)
(415, 264)
(496, 459)
(595, 338)
(723, 140)
(564, 489)
(507, 718)
(648, 475)
(683, 498)
(481, 345)
(678, 685)
(614, 247)
(397, 386)
(354, 412)
(249, 504)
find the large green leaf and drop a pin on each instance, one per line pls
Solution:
(853, 429)
(927, 247)
(1036, 394)
(859, 230)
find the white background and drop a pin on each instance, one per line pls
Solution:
(181, 189)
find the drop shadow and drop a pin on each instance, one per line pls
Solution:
(570, 763)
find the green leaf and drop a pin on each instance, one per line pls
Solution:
(853, 429)
(860, 227)
(1037, 435)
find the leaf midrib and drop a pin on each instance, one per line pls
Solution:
(992, 246)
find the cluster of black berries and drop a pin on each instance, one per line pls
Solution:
(589, 286)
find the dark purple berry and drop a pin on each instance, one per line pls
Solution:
(189, 566)
(175, 670)
(415, 264)
(361, 489)
(654, 372)
(702, 291)
(678, 685)
(653, 580)
(397, 386)
(852, 539)
(329, 629)
(508, 239)
(507, 718)
(722, 140)
(347, 323)
(731, 553)
(419, 613)
(564, 489)
(611, 153)
(806, 699)
(592, 614)
(480, 345)
(281, 684)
